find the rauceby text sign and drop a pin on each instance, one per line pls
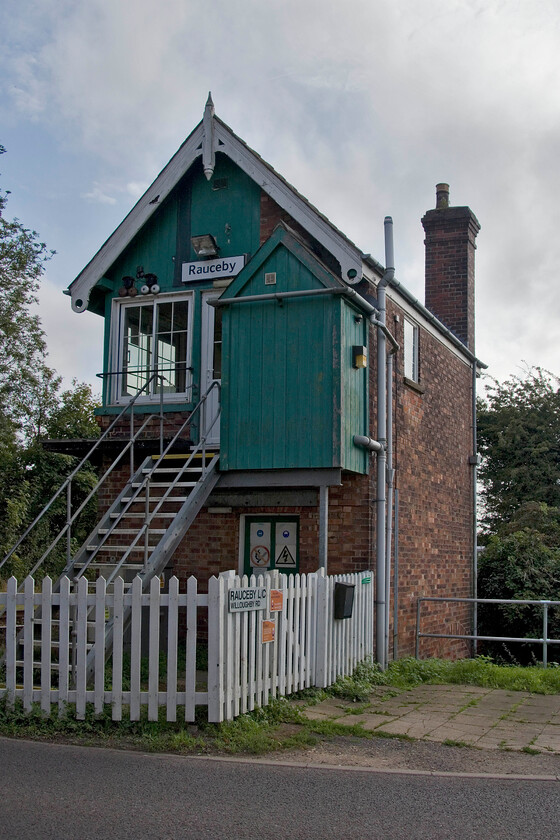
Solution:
(251, 598)
(210, 269)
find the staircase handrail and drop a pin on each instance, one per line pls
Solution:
(201, 445)
(68, 480)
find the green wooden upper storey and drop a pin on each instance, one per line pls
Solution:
(291, 397)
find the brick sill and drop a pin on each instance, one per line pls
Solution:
(414, 386)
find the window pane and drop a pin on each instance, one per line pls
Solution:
(410, 350)
(217, 363)
(136, 348)
(154, 338)
(172, 346)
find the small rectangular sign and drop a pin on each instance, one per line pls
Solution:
(252, 598)
(276, 600)
(210, 269)
(268, 629)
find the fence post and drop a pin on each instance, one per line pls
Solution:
(418, 602)
(545, 635)
(215, 650)
(321, 630)
(11, 635)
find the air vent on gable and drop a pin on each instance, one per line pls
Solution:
(220, 184)
(270, 279)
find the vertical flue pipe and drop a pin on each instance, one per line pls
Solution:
(381, 505)
(389, 513)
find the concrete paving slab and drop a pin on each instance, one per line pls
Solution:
(486, 718)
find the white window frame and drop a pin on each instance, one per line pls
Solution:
(410, 351)
(115, 349)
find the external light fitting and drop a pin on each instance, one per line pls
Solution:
(205, 245)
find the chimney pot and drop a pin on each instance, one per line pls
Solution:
(442, 196)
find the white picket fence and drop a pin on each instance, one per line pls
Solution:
(54, 643)
(309, 646)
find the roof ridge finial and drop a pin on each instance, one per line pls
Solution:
(208, 155)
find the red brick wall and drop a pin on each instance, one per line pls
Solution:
(433, 441)
(450, 249)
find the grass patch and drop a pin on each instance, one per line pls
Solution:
(406, 673)
(449, 742)
(530, 751)
(274, 727)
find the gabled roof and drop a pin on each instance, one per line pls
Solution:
(283, 236)
(211, 136)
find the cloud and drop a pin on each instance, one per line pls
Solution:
(363, 106)
(97, 194)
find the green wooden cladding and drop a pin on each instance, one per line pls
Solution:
(290, 396)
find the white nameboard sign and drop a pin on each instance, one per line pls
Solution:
(253, 598)
(206, 269)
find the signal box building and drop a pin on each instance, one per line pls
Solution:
(337, 410)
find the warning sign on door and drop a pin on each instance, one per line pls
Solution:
(285, 560)
(260, 556)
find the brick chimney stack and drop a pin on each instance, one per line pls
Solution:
(450, 246)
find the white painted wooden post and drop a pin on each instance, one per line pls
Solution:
(244, 663)
(282, 630)
(190, 656)
(172, 640)
(81, 647)
(321, 646)
(253, 631)
(28, 609)
(64, 644)
(11, 635)
(46, 644)
(135, 647)
(99, 643)
(289, 633)
(215, 651)
(153, 677)
(309, 633)
(304, 641)
(118, 627)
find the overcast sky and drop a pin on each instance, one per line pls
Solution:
(363, 105)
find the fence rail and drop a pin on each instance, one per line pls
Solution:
(544, 639)
(292, 643)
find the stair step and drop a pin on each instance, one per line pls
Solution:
(120, 549)
(103, 531)
(101, 564)
(167, 485)
(153, 500)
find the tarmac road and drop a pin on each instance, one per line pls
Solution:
(83, 793)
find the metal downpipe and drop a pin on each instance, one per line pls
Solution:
(381, 504)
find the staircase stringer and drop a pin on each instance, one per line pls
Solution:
(166, 547)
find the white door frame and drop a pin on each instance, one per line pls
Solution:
(207, 368)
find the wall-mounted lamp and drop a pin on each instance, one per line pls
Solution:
(205, 245)
(359, 356)
(128, 287)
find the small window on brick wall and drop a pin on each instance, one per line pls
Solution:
(411, 334)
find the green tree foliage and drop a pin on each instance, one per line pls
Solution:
(22, 360)
(32, 407)
(521, 563)
(519, 441)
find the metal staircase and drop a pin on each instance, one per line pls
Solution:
(140, 531)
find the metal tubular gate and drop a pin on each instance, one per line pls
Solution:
(544, 640)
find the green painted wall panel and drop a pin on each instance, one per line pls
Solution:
(281, 391)
(153, 248)
(228, 207)
(354, 414)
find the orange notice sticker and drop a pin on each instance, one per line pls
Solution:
(276, 600)
(268, 628)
